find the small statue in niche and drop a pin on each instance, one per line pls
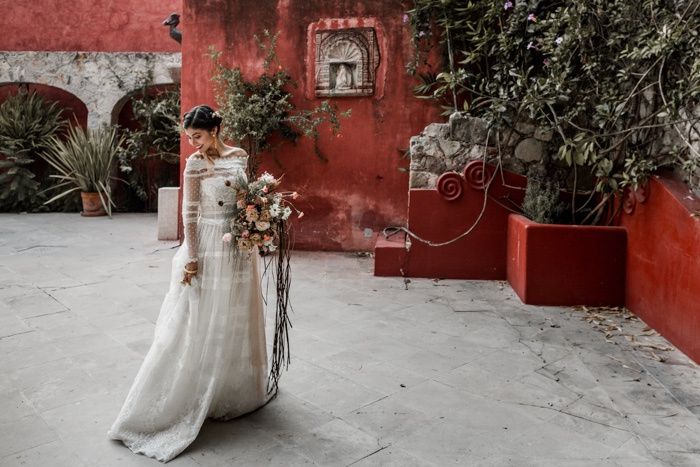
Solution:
(343, 78)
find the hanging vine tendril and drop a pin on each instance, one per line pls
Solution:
(280, 268)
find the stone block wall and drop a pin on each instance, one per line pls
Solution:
(444, 147)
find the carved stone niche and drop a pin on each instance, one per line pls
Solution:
(346, 62)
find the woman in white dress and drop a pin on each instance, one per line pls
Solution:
(208, 357)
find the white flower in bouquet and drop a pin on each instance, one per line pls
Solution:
(286, 212)
(275, 210)
(262, 225)
(267, 178)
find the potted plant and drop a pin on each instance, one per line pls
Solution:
(605, 91)
(85, 161)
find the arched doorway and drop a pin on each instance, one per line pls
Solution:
(153, 167)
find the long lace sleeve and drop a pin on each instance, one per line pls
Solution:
(190, 204)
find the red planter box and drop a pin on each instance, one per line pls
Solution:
(550, 264)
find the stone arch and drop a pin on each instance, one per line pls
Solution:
(68, 101)
(99, 79)
(121, 104)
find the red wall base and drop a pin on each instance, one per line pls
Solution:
(551, 264)
(442, 214)
(663, 263)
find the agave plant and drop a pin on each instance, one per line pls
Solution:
(27, 122)
(85, 160)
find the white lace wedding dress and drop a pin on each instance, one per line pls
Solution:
(209, 356)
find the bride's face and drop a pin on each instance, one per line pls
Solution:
(201, 139)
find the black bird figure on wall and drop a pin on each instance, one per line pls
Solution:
(173, 20)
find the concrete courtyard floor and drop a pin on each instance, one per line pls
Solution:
(429, 372)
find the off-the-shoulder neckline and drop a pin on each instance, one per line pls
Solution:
(197, 157)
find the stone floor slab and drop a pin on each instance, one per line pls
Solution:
(384, 372)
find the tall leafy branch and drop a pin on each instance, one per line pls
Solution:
(255, 110)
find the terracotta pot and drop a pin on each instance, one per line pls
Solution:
(92, 206)
(567, 265)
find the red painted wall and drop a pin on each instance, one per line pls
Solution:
(87, 25)
(663, 261)
(360, 186)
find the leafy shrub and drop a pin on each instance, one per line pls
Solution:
(157, 136)
(27, 123)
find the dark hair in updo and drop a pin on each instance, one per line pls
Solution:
(201, 117)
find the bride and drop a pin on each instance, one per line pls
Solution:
(208, 357)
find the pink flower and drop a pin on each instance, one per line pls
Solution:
(245, 234)
(227, 237)
(265, 189)
(295, 195)
(531, 17)
(405, 18)
(301, 214)
(508, 5)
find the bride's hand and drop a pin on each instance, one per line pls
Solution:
(191, 266)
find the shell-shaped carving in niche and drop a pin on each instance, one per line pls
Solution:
(344, 51)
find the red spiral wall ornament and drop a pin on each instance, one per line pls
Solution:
(449, 185)
(477, 175)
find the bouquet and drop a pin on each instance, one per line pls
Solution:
(260, 215)
(259, 222)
